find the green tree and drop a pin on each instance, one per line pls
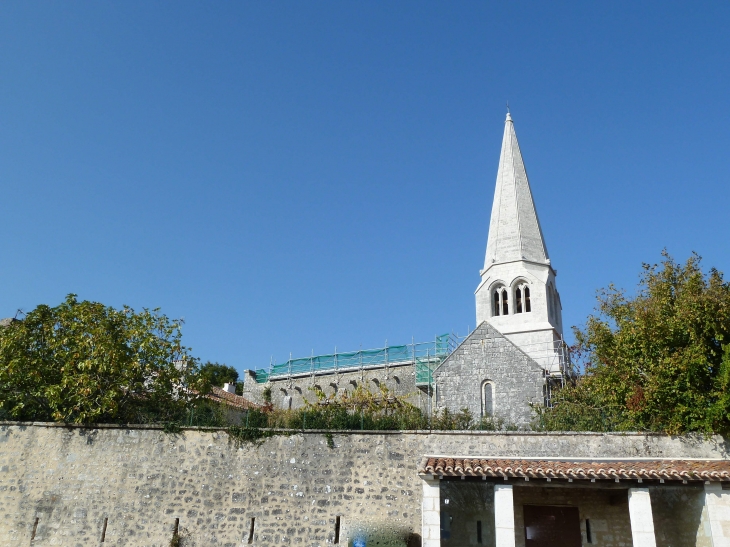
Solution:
(83, 362)
(216, 374)
(659, 361)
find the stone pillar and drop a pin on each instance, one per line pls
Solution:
(642, 520)
(504, 515)
(718, 513)
(431, 513)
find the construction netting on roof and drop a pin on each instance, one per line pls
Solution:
(440, 347)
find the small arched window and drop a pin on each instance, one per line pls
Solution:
(551, 308)
(487, 398)
(549, 294)
(522, 298)
(500, 301)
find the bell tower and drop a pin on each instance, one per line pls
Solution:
(517, 294)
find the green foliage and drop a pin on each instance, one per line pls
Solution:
(659, 361)
(463, 420)
(82, 362)
(362, 409)
(180, 538)
(215, 374)
(266, 394)
(204, 413)
(172, 428)
(253, 435)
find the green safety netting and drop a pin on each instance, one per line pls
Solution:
(440, 347)
(424, 372)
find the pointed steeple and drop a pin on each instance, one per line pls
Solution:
(514, 229)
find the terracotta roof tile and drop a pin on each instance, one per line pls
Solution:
(230, 399)
(706, 470)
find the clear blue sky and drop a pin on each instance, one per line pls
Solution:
(295, 176)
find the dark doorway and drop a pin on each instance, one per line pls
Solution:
(551, 526)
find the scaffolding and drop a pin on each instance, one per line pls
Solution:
(554, 359)
(424, 355)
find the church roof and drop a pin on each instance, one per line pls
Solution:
(232, 400)
(514, 229)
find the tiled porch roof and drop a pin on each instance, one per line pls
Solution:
(674, 470)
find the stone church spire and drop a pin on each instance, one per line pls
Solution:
(517, 294)
(514, 230)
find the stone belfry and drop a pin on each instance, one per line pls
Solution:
(517, 294)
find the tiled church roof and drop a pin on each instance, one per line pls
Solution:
(707, 470)
(230, 399)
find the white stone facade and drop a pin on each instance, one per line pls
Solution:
(517, 293)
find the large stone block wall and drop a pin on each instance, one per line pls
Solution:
(140, 480)
(488, 355)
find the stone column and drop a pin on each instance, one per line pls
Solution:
(718, 513)
(504, 515)
(431, 513)
(642, 520)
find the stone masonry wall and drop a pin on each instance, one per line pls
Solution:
(66, 482)
(488, 355)
(291, 393)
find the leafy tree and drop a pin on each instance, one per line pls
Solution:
(83, 362)
(659, 361)
(216, 374)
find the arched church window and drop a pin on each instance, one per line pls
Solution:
(487, 398)
(500, 298)
(549, 296)
(522, 298)
(553, 304)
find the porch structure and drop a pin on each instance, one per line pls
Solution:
(543, 502)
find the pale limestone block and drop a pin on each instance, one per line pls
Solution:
(721, 512)
(504, 515)
(642, 520)
(431, 512)
(717, 504)
(432, 519)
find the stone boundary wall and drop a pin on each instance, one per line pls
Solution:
(69, 485)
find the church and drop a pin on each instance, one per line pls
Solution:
(71, 484)
(513, 360)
